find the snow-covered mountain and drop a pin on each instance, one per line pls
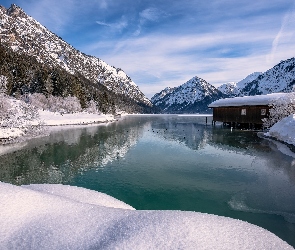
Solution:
(158, 96)
(191, 97)
(25, 35)
(228, 88)
(280, 78)
(233, 89)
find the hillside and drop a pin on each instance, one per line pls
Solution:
(52, 66)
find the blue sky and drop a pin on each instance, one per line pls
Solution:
(161, 43)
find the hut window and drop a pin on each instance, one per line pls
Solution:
(263, 111)
(243, 112)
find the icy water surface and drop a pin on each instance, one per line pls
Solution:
(168, 162)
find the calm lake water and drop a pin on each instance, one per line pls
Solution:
(168, 162)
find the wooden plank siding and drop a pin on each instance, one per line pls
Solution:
(249, 115)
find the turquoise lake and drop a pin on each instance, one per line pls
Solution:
(168, 162)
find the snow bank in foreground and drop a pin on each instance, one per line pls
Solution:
(47, 216)
(284, 130)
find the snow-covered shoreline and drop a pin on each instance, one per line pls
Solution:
(56, 119)
(47, 120)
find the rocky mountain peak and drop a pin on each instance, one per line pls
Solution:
(15, 11)
(3, 9)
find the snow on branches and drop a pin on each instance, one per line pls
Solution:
(3, 84)
(280, 108)
(63, 105)
(17, 119)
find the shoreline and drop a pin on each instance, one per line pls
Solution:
(282, 146)
(48, 122)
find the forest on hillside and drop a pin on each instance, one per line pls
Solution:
(25, 75)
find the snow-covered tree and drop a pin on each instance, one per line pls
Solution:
(16, 113)
(39, 100)
(5, 106)
(3, 84)
(64, 105)
(92, 107)
(280, 108)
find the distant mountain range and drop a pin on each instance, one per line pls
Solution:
(23, 36)
(194, 95)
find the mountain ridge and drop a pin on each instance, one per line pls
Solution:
(25, 35)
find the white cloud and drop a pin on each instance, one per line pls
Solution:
(151, 14)
(123, 23)
(285, 34)
(148, 15)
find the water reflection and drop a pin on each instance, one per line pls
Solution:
(191, 133)
(64, 154)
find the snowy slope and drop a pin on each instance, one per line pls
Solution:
(191, 97)
(232, 89)
(280, 78)
(24, 34)
(250, 78)
(228, 88)
(157, 97)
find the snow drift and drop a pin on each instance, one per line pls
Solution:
(284, 130)
(47, 216)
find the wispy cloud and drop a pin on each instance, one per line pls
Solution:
(286, 32)
(151, 14)
(123, 23)
(148, 15)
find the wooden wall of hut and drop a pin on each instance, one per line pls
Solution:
(242, 114)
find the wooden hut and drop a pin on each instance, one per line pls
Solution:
(247, 111)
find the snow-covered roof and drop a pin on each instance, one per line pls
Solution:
(247, 100)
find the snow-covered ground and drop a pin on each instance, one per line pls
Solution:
(56, 119)
(53, 216)
(47, 118)
(284, 130)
